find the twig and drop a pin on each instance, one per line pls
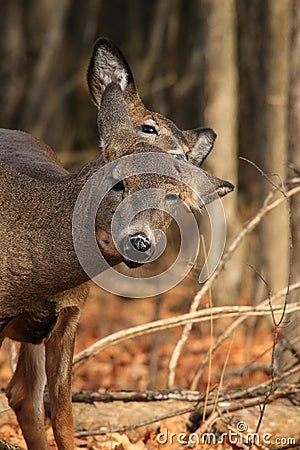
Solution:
(211, 326)
(276, 323)
(293, 181)
(6, 446)
(250, 368)
(189, 318)
(245, 231)
(266, 176)
(221, 338)
(233, 401)
(268, 394)
(214, 415)
(227, 402)
(147, 395)
(186, 395)
(152, 364)
(220, 384)
(133, 426)
(229, 330)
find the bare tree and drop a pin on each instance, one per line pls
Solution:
(221, 84)
(289, 350)
(263, 30)
(274, 232)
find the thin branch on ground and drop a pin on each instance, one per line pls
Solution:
(271, 391)
(276, 323)
(133, 426)
(240, 399)
(245, 231)
(229, 330)
(189, 318)
(249, 368)
(148, 395)
(153, 362)
(227, 402)
(6, 446)
(211, 328)
(215, 412)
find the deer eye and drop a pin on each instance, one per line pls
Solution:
(149, 129)
(172, 197)
(181, 157)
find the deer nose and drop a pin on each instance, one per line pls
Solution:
(140, 242)
(137, 249)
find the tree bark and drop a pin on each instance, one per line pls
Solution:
(274, 236)
(221, 87)
(288, 352)
(263, 68)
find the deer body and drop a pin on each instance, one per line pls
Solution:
(42, 284)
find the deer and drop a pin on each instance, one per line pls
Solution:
(43, 286)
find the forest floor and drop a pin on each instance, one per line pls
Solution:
(142, 363)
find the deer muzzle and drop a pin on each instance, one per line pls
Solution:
(137, 248)
(140, 242)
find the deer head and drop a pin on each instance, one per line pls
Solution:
(172, 166)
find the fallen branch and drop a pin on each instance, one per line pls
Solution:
(184, 395)
(227, 401)
(189, 318)
(137, 396)
(133, 426)
(245, 231)
(230, 329)
(6, 446)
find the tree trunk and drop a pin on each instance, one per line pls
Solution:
(263, 69)
(274, 232)
(221, 87)
(288, 352)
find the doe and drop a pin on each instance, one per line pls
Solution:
(42, 284)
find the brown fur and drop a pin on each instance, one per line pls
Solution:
(42, 285)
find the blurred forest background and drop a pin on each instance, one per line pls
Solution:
(233, 65)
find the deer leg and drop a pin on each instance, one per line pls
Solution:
(59, 355)
(25, 394)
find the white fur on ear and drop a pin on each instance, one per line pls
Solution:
(109, 70)
(107, 65)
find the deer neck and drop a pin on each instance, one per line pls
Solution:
(61, 217)
(41, 246)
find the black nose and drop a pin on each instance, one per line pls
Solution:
(137, 249)
(140, 242)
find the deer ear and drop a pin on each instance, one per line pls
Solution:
(112, 114)
(108, 65)
(201, 142)
(214, 187)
